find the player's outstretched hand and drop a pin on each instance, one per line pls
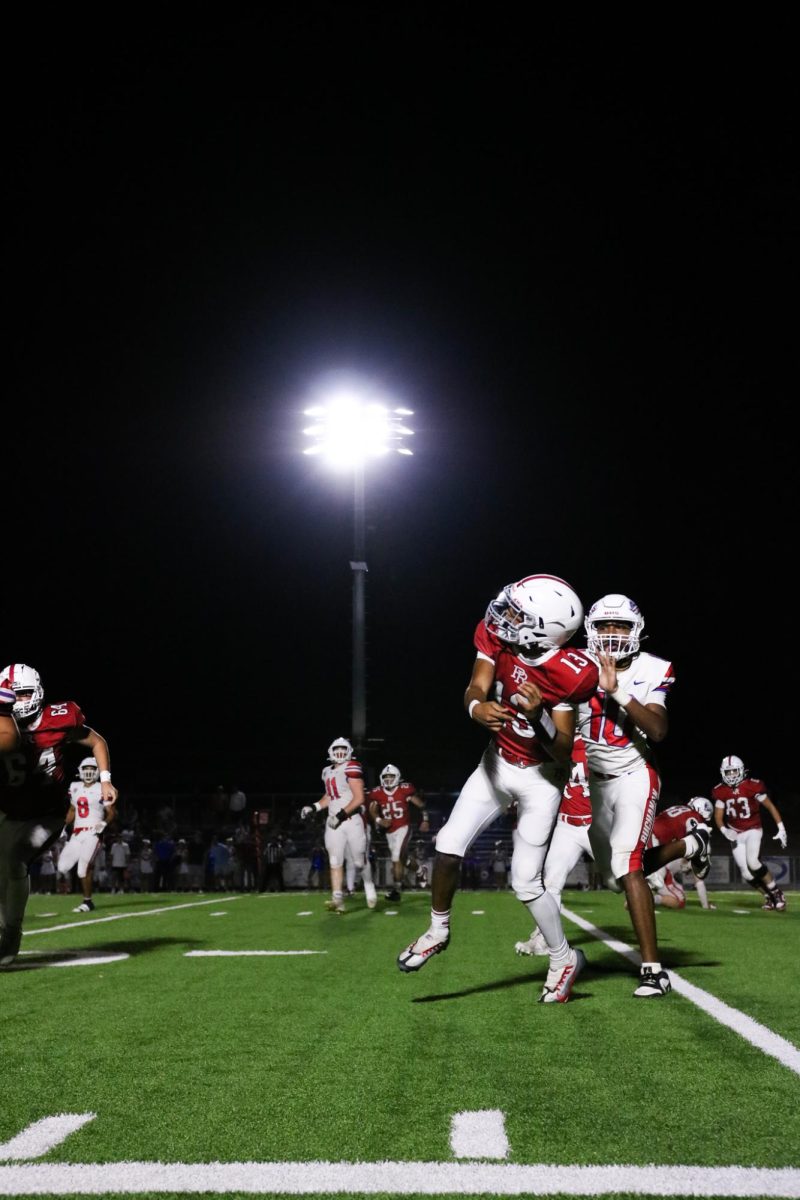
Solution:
(306, 812)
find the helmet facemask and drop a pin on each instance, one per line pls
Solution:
(540, 612)
(390, 778)
(732, 770)
(27, 685)
(340, 751)
(617, 610)
(89, 771)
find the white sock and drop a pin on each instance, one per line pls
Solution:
(440, 922)
(654, 967)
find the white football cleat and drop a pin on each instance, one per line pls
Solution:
(558, 985)
(335, 906)
(534, 945)
(423, 949)
(371, 893)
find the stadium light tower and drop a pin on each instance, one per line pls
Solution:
(348, 429)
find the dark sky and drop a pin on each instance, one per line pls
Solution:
(572, 251)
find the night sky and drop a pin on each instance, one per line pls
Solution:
(572, 252)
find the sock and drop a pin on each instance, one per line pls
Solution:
(547, 915)
(338, 897)
(655, 967)
(702, 892)
(440, 922)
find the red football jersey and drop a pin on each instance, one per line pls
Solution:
(673, 824)
(563, 676)
(393, 805)
(33, 780)
(742, 803)
(575, 801)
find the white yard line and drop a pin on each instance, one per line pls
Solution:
(150, 912)
(758, 1035)
(479, 1134)
(397, 1178)
(249, 953)
(43, 1136)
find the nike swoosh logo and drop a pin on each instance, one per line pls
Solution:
(638, 682)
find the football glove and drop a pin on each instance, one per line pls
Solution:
(338, 818)
(728, 833)
(306, 812)
(8, 698)
(780, 836)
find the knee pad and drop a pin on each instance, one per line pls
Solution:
(759, 872)
(527, 889)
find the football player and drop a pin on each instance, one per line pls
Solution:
(620, 724)
(524, 685)
(89, 814)
(344, 796)
(681, 832)
(738, 801)
(389, 809)
(33, 791)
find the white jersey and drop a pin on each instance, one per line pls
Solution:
(88, 804)
(614, 744)
(336, 780)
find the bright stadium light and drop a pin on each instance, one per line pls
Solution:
(349, 427)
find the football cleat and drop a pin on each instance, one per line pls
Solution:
(420, 951)
(10, 940)
(534, 945)
(371, 895)
(778, 900)
(701, 863)
(769, 903)
(559, 982)
(335, 906)
(85, 906)
(393, 895)
(652, 984)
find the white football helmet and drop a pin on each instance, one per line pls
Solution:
(25, 679)
(622, 611)
(731, 770)
(88, 771)
(539, 612)
(704, 808)
(390, 777)
(340, 751)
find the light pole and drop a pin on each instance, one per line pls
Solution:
(349, 429)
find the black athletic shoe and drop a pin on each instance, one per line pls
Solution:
(652, 984)
(393, 895)
(10, 940)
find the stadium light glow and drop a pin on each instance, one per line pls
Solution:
(350, 429)
(351, 425)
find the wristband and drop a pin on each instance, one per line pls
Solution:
(545, 727)
(105, 777)
(621, 698)
(317, 806)
(471, 707)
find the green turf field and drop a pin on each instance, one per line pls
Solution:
(335, 1057)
